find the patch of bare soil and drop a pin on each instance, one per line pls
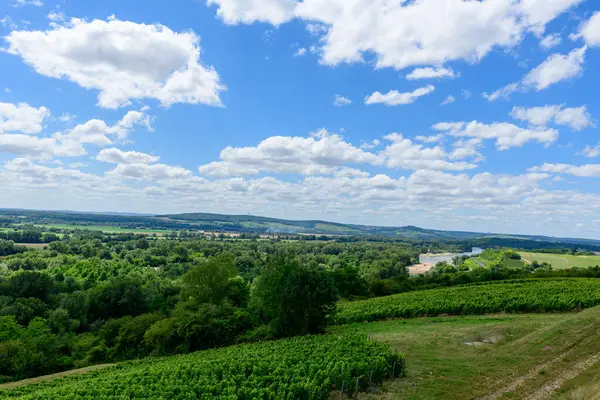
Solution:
(419, 268)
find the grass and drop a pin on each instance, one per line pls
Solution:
(104, 228)
(562, 261)
(447, 357)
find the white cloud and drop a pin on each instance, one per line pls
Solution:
(152, 172)
(430, 139)
(537, 116)
(7, 22)
(448, 100)
(577, 118)
(403, 34)
(591, 152)
(6, 90)
(430, 73)
(395, 98)
(40, 148)
(556, 68)
(550, 41)
(403, 153)
(99, 133)
(506, 135)
(504, 92)
(590, 30)
(465, 93)
(340, 101)
(467, 149)
(116, 156)
(118, 58)
(321, 153)
(234, 12)
(22, 118)
(586, 170)
(300, 52)
(22, 3)
(67, 117)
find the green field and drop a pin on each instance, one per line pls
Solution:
(104, 228)
(562, 261)
(472, 357)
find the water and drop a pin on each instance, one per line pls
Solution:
(436, 258)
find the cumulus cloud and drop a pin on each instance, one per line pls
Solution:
(430, 139)
(152, 172)
(405, 154)
(577, 118)
(395, 98)
(403, 34)
(22, 3)
(430, 73)
(586, 170)
(40, 147)
(550, 41)
(116, 156)
(591, 151)
(506, 135)
(99, 133)
(340, 101)
(556, 68)
(118, 58)
(590, 30)
(22, 118)
(320, 153)
(234, 12)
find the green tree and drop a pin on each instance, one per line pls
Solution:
(294, 299)
(208, 282)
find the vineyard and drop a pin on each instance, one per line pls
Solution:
(539, 295)
(307, 367)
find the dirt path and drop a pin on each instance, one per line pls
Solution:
(545, 391)
(44, 378)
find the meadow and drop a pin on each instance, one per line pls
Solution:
(562, 261)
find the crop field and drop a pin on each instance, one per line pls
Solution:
(562, 261)
(498, 356)
(104, 228)
(535, 295)
(307, 367)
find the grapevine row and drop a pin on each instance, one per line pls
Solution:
(306, 367)
(534, 295)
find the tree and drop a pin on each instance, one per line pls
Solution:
(294, 299)
(208, 282)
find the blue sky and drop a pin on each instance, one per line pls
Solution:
(446, 114)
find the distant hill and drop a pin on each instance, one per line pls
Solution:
(259, 224)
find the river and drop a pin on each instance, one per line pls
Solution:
(436, 258)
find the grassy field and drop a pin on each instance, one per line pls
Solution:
(484, 356)
(562, 261)
(104, 228)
